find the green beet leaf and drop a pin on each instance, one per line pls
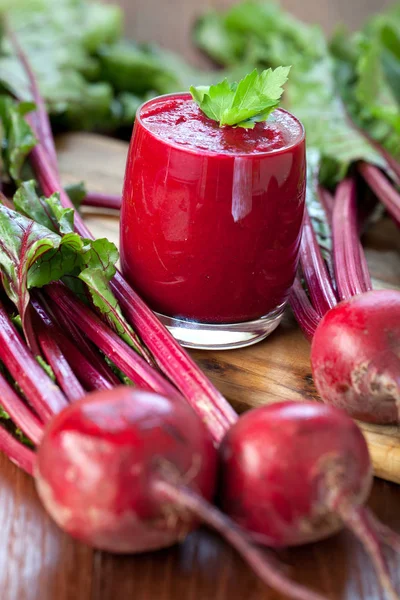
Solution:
(77, 193)
(267, 36)
(17, 139)
(32, 256)
(368, 77)
(94, 260)
(390, 40)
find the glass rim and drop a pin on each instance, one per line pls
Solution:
(300, 139)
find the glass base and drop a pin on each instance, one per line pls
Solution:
(222, 336)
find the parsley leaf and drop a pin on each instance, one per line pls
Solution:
(245, 103)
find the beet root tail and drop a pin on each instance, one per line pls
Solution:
(366, 528)
(266, 567)
(389, 537)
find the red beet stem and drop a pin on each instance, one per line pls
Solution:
(109, 342)
(19, 412)
(306, 316)
(327, 201)
(358, 519)
(263, 565)
(171, 358)
(93, 371)
(63, 372)
(17, 452)
(43, 122)
(351, 269)
(30, 332)
(50, 184)
(76, 367)
(204, 398)
(388, 537)
(315, 272)
(43, 395)
(392, 162)
(382, 188)
(99, 200)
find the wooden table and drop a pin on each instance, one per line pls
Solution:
(38, 562)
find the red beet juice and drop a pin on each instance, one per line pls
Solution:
(211, 217)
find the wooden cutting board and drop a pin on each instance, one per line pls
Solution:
(273, 370)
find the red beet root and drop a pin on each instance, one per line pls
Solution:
(355, 356)
(294, 473)
(100, 459)
(131, 471)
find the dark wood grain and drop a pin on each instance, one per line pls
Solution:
(39, 562)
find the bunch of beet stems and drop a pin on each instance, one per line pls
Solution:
(175, 372)
(350, 271)
(45, 400)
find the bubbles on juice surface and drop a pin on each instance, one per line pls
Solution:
(180, 121)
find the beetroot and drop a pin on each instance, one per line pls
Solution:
(294, 473)
(100, 460)
(355, 356)
(132, 471)
(355, 352)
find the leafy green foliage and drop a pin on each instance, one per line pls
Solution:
(259, 32)
(90, 267)
(245, 103)
(7, 423)
(269, 37)
(367, 69)
(225, 47)
(76, 192)
(59, 44)
(390, 41)
(17, 139)
(16, 320)
(121, 376)
(89, 77)
(131, 68)
(315, 209)
(4, 416)
(32, 256)
(46, 367)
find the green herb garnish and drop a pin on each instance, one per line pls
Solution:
(245, 103)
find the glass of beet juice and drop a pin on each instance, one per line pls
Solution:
(211, 220)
